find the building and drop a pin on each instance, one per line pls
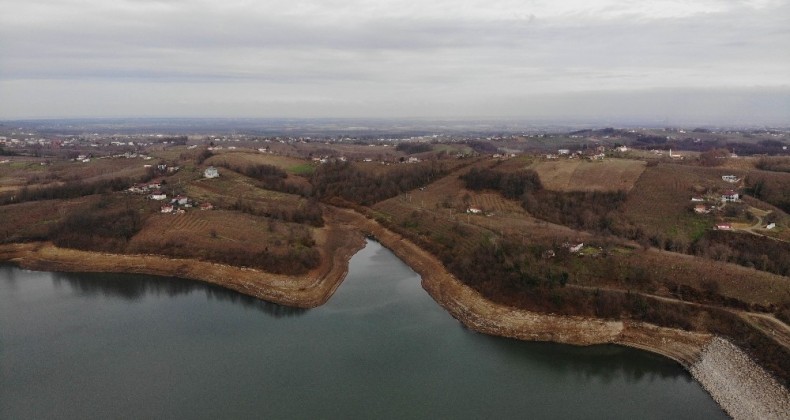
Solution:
(158, 195)
(723, 226)
(730, 178)
(729, 195)
(211, 172)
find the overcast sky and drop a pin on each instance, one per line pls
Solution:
(710, 61)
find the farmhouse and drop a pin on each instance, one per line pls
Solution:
(730, 178)
(474, 210)
(167, 208)
(770, 226)
(180, 200)
(697, 199)
(729, 195)
(723, 226)
(206, 206)
(158, 195)
(211, 172)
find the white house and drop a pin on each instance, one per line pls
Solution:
(180, 200)
(211, 172)
(729, 195)
(158, 195)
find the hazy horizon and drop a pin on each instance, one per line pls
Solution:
(711, 62)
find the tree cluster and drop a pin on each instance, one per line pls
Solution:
(343, 180)
(747, 250)
(97, 230)
(413, 148)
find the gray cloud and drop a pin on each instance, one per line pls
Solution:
(399, 58)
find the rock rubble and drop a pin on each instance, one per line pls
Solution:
(741, 387)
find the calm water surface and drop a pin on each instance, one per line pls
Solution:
(126, 346)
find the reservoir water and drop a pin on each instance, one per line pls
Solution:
(77, 346)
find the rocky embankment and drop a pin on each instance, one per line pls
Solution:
(741, 387)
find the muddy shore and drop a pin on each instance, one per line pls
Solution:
(702, 354)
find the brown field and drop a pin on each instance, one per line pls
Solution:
(249, 158)
(230, 187)
(215, 229)
(582, 175)
(33, 219)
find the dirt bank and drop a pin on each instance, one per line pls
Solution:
(729, 375)
(337, 243)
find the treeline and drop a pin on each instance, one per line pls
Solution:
(95, 229)
(590, 210)
(512, 185)
(71, 189)
(412, 148)
(343, 180)
(774, 164)
(748, 250)
(296, 260)
(480, 146)
(4, 152)
(770, 187)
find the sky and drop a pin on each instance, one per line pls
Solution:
(672, 61)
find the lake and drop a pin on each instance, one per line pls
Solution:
(75, 346)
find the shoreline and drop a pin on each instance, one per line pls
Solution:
(339, 243)
(703, 355)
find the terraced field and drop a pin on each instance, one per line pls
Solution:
(230, 187)
(582, 175)
(213, 229)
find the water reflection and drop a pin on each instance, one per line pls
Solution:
(133, 287)
(605, 362)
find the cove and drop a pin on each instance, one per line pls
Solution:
(132, 346)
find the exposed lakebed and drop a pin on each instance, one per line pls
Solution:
(108, 345)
